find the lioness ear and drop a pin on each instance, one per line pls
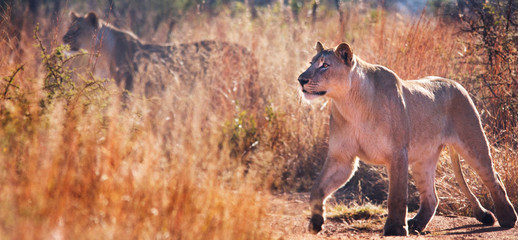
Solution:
(73, 16)
(319, 47)
(92, 19)
(344, 52)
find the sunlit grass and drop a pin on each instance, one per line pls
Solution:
(366, 217)
(355, 212)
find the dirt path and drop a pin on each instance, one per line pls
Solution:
(289, 218)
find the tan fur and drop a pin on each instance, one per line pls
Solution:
(382, 119)
(228, 68)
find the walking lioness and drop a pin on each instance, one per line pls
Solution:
(382, 119)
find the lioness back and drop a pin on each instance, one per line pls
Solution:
(436, 106)
(429, 99)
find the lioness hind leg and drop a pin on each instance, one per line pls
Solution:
(470, 141)
(335, 173)
(482, 214)
(480, 160)
(424, 176)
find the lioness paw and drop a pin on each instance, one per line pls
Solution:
(315, 224)
(395, 230)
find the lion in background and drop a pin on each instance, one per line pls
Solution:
(227, 68)
(381, 119)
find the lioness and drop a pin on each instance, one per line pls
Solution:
(382, 119)
(230, 68)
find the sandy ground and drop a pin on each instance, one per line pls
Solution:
(289, 218)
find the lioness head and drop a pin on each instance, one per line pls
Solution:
(328, 70)
(82, 31)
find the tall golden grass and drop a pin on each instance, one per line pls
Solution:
(83, 167)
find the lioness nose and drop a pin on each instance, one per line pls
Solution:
(303, 81)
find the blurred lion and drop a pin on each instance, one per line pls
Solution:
(228, 69)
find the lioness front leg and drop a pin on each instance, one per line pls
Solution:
(335, 173)
(396, 224)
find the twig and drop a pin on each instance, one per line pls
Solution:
(44, 54)
(10, 79)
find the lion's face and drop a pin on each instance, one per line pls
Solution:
(325, 74)
(82, 31)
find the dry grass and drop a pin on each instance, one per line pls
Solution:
(356, 212)
(83, 167)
